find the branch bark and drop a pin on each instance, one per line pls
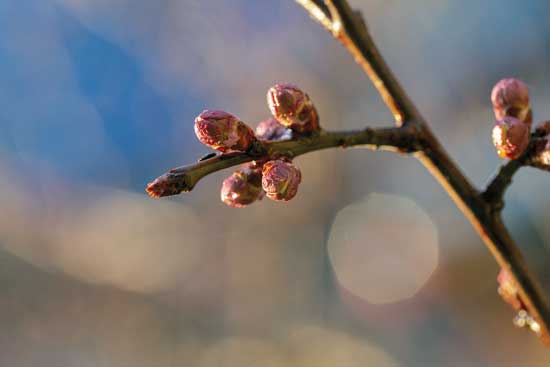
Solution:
(183, 179)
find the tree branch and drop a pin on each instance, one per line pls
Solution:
(183, 179)
(351, 30)
(412, 135)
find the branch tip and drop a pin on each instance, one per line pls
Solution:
(168, 184)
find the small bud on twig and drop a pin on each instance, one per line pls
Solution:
(223, 131)
(510, 97)
(510, 137)
(292, 108)
(243, 187)
(272, 130)
(280, 180)
(508, 290)
(165, 186)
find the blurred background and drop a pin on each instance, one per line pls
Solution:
(371, 263)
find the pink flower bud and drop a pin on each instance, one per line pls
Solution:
(508, 290)
(243, 187)
(510, 97)
(293, 108)
(273, 130)
(510, 137)
(223, 131)
(280, 180)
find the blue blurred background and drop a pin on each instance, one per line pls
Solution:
(371, 264)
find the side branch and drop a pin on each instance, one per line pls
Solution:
(183, 179)
(497, 186)
(494, 192)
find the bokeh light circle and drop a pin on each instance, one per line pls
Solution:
(383, 249)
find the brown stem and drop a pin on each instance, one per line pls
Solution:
(496, 188)
(349, 28)
(183, 179)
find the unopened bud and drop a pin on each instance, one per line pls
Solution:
(508, 290)
(510, 97)
(280, 180)
(510, 137)
(293, 108)
(272, 130)
(223, 131)
(243, 187)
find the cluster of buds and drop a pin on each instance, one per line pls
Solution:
(511, 133)
(275, 177)
(508, 290)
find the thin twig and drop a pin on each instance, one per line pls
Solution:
(349, 28)
(183, 179)
(494, 192)
(496, 188)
